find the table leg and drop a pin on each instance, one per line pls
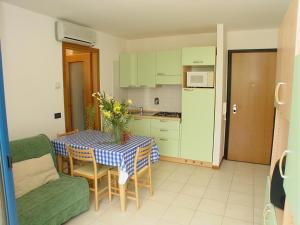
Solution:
(59, 160)
(123, 196)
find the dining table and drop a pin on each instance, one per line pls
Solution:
(108, 153)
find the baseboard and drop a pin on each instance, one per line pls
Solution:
(186, 161)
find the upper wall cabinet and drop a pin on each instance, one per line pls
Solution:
(199, 56)
(128, 70)
(168, 67)
(146, 69)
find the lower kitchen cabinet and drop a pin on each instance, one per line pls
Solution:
(167, 147)
(197, 123)
(167, 136)
(140, 126)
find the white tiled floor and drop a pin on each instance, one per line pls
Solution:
(233, 195)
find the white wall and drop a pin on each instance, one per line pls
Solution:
(252, 39)
(110, 48)
(170, 96)
(32, 61)
(170, 42)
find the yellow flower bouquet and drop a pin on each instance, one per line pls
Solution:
(115, 114)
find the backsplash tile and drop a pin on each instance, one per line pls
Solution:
(169, 98)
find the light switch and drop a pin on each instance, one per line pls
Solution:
(57, 85)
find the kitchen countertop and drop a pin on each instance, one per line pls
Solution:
(150, 115)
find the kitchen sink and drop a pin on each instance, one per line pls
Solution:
(143, 114)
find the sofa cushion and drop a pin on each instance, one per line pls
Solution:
(33, 173)
(55, 202)
(32, 147)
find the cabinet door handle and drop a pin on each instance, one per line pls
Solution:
(198, 61)
(280, 163)
(163, 130)
(163, 139)
(137, 119)
(163, 121)
(188, 89)
(160, 74)
(277, 93)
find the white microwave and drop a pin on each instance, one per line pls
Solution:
(200, 79)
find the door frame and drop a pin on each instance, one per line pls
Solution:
(95, 76)
(229, 79)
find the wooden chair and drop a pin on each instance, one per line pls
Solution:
(65, 161)
(137, 177)
(88, 169)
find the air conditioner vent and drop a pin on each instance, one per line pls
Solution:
(73, 33)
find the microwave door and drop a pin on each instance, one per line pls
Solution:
(198, 80)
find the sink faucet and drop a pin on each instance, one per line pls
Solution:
(141, 110)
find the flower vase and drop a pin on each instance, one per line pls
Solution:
(117, 135)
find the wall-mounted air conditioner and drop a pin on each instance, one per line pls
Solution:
(69, 32)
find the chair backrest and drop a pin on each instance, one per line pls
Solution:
(68, 133)
(84, 155)
(143, 153)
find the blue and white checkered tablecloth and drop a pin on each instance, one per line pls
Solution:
(106, 152)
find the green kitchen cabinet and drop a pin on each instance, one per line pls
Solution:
(128, 70)
(140, 126)
(167, 136)
(292, 168)
(199, 56)
(167, 147)
(168, 67)
(198, 106)
(146, 69)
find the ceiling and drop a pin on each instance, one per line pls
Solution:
(148, 18)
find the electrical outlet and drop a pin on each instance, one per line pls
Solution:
(156, 101)
(57, 115)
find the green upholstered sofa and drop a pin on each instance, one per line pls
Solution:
(55, 202)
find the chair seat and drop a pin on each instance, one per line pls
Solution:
(87, 170)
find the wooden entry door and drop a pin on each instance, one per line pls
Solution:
(251, 106)
(88, 60)
(78, 89)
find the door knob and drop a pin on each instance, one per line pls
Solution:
(234, 109)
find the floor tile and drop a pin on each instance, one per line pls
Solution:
(172, 186)
(178, 215)
(192, 190)
(179, 177)
(242, 188)
(184, 194)
(201, 218)
(114, 216)
(216, 194)
(212, 206)
(258, 216)
(240, 199)
(186, 201)
(163, 197)
(152, 209)
(229, 221)
(239, 212)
